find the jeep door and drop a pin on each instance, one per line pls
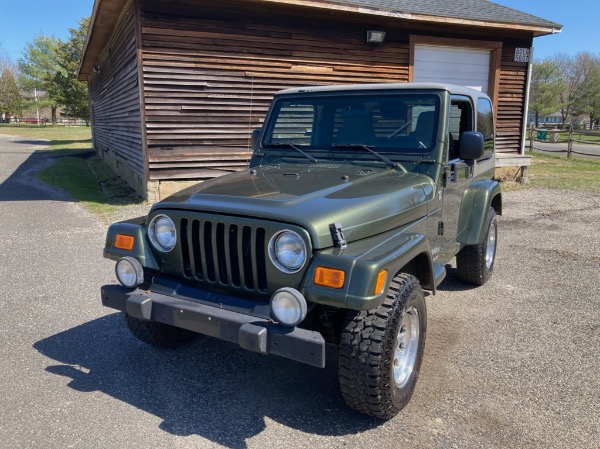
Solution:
(458, 174)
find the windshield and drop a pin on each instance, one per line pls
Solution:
(390, 123)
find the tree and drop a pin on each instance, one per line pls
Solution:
(10, 98)
(578, 74)
(545, 90)
(72, 94)
(587, 66)
(38, 67)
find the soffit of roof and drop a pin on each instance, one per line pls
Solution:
(477, 13)
(105, 16)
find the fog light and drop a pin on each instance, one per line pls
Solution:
(129, 272)
(288, 306)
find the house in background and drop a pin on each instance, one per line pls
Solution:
(177, 86)
(552, 120)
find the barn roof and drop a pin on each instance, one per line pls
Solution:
(464, 10)
(478, 13)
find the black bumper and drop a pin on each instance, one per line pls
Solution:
(251, 333)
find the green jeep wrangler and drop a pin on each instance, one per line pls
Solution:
(355, 200)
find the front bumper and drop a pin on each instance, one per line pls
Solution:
(251, 333)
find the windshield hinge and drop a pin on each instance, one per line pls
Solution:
(449, 176)
(337, 233)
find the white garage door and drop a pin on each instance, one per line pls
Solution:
(462, 66)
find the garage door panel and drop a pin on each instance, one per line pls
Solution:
(462, 66)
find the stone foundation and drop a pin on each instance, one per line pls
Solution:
(159, 190)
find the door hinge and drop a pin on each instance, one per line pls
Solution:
(441, 228)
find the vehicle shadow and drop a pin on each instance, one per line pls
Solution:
(452, 282)
(209, 387)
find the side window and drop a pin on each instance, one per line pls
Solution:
(461, 120)
(485, 124)
(294, 125)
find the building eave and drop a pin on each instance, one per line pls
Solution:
(536, 29)
(106, 13)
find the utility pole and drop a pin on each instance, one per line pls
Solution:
(36, 106)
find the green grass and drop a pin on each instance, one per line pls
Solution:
(61, 137)
(83, 175)
(560, 172)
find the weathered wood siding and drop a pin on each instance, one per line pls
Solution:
(208, 80)
(511, 100)
(115, 103)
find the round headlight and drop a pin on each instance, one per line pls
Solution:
(288, 306)
(287, 251)
(162, 233)
(129, 272)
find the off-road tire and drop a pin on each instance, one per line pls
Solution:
(157, 334)
(368, 343)
(472, 262)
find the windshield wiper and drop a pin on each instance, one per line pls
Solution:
(369, 148)
(291, 145)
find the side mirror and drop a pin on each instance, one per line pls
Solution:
(254, 138)
(470, 146)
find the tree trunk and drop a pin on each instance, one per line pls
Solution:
(53, 108)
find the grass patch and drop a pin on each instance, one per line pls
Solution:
(559, 172)
(81, 173)
(92, 182)
(60, 137)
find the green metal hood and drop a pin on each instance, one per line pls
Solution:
(366, 201)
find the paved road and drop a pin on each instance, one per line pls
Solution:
(510, 364)
(580, 149)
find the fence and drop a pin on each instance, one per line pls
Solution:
(45, 121)
(587, 142)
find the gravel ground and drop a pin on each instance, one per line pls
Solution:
(511, 364)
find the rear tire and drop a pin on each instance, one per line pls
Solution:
(475, 263)
(157, 334)
(381, 350)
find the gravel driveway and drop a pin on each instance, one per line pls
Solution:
(512, 364)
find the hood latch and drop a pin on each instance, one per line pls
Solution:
(337, 233)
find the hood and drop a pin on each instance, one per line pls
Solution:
(366, 201)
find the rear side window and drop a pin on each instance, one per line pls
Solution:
(485, 124)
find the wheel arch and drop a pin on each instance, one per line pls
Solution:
(476, 201)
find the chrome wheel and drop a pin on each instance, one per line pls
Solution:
(407, 346)
(490, 247)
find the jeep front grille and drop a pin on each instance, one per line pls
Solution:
(224, 253)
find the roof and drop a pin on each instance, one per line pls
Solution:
(463, 10)
(459, 90)
(476, 13)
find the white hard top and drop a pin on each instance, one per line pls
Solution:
(454, 89)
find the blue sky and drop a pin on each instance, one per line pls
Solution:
(20, 21)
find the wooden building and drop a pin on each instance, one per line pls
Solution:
(176, 86)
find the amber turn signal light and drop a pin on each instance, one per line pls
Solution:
(329, 277)
(380, 282)
(123, 241)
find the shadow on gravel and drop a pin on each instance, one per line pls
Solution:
(41, 143)
(209, 388)
(452, 282)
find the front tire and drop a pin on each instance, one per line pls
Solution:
(475, 263)
(381, 350)
(158, 334)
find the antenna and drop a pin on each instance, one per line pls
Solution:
(250, 115)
